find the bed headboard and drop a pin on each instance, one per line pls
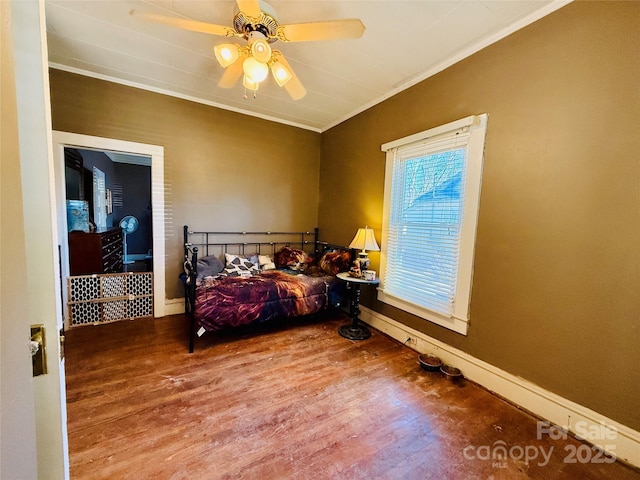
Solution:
(241, 243)
(204, 244)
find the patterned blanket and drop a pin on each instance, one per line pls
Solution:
(233, 301)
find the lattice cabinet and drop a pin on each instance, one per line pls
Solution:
(95, 299)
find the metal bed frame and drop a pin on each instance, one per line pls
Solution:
(240, 243)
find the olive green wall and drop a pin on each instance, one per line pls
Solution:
(223, 170)
(556, 286)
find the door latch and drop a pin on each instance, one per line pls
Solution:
(38, 350)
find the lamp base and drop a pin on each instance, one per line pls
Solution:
(354, 332)
(363, 260)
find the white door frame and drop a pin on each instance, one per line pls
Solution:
(76, 140)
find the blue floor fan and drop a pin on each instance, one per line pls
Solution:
(128, 224)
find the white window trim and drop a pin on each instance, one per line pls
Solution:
(459, 322)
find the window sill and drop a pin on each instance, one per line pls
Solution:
(457, 325)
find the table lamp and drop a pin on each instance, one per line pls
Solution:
(364, 240)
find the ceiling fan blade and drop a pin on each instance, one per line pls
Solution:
(251, 8)
(232, 74)
(294, 86)
(186, 24)
(329, 30)
(295, 89)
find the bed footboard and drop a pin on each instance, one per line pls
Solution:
(190, 267)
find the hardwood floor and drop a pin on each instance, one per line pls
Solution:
(289, 401)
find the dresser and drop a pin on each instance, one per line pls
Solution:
(96, 252)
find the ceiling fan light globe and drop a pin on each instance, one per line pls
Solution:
(226, 54)
(261, 51)
(255, 70)
(281, 74)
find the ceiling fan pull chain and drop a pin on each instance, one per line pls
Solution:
(246, 97)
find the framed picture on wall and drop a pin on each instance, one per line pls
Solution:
(109, 202)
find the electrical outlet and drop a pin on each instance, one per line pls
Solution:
(412, 342)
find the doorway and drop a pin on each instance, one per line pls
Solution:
(107, 191)
(65, 140)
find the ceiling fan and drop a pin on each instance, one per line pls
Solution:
(255, 21)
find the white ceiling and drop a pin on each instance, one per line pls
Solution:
(404, 43)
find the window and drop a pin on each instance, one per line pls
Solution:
(431, 199)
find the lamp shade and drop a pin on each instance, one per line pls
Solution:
(261, 51)
(226, 54)
(250, 84)
(365, 240)
(281, 73)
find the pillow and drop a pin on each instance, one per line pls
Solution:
(292, 258)
(265, 262)
(209, 266)
(240, 267)
(253, 258)
(335, 262)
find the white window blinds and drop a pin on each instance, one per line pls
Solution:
(425, 212)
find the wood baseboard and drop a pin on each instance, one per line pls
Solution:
(613, 437)
(173, 306)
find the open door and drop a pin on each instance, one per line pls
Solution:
(17, 416)
(41, 303)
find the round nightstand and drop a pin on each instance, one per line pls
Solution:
(356, 330)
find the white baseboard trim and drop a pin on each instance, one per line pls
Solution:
(613, 437)
(173, 306)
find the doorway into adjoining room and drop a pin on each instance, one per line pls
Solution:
(109, 224)
(108, 190)
(115, 190)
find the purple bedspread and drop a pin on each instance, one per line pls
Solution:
(233, 301)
